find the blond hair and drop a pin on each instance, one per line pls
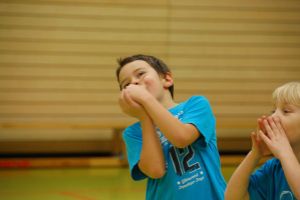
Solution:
(288, 93)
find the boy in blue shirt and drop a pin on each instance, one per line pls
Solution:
(279, 134)
(173, 145)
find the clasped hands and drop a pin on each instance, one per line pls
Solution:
(270, 138)
(131, 100)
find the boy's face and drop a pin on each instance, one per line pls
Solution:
(141, 73)
(290, 118)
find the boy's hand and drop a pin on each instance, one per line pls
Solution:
(260, 123)
(275, 137)
(136, 92)
(258, 145)
(129, 106)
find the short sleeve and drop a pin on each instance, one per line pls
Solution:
(133, 142)
(259, 182)
(199, 113)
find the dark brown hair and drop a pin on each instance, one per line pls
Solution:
(158, 65)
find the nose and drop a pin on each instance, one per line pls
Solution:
(274, 114)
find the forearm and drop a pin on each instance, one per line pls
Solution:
(237, 187)
(174, 130)
(291, 168)
(152, 161)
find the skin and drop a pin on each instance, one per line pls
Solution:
(145, 96)
(278, 134)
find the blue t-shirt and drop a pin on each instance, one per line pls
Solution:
(193, 172)
(269, 182)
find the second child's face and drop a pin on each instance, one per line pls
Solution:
(289, 116)
(141, 73)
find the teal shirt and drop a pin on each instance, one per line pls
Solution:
(269, 183)
(193, 172)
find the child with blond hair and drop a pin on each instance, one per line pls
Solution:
(279, 135)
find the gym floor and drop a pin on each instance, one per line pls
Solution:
(112, 183)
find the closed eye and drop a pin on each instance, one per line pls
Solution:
(287, 111)
(125, 85)
(140, 73)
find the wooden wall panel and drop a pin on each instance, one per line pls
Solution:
(58, 59)
(78, 48)
(239, 52)
(58, 135)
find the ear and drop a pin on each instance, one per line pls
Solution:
(168, 80)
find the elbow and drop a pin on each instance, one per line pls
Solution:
(153, 170)
(181, 143)
(157, 172)
(184, 137)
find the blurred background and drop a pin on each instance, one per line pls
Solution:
(59, 116)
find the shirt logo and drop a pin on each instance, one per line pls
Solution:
(179, 115)
(286, 195)
(162, 138)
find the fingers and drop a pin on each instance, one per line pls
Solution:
(128, 99)
(260, 123)
(131, 102)
(124, 99)
(266, 139)
(278, 125)
(268, 124)
(253, 137)
(274, 127)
